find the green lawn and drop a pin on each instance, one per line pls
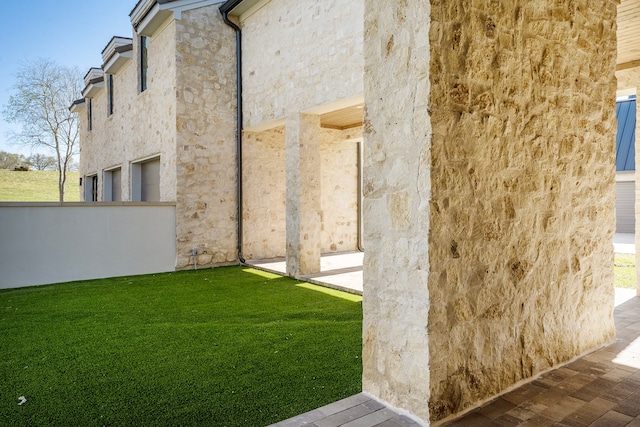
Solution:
(36, 186)
(625, 271)
(217, 347)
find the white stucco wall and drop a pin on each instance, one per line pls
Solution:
(50, 243)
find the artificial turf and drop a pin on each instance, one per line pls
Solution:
(217, 347)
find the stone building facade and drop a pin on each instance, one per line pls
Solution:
(484, 159)
(173, 124)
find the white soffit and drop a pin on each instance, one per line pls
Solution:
(93, 74)
(78, 106)
(149, 22)
(117, 61)
(93, 88)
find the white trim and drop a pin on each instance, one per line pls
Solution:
(93, 89)
(626, 176)
(159, 13)
(145, 158)
(93, 73)
(334, 106)
(253, 9)
(78, 108)
(117, 61)
(112, 168)
(183, 5)
(266, 126)
(623, 94)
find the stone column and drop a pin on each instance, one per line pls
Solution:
(397, 186)
(489, 195)
(303, 194)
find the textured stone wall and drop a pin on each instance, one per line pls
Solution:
(142, 125)
(339, 199)
(264, 215)
(489, 195)
(522, 209)
(205, 142)
(187, 116)
(264, 187)
(397, 142)
(303, 140)
(318, 51)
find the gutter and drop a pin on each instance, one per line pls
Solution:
(225, 9)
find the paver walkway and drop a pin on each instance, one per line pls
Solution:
(355, 411)
(601, 389)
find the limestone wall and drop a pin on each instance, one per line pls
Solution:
(264, 189)
(205, 142)
(522, 210)
(298, 55)
(397, 189)
(339, 201)
(142, 125)
(264, 186)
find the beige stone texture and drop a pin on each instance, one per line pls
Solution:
(264, 215)
(142, 125)
(522, 209)
(264, 187)
(339, 198)
(288, 65)
(186, 116)
(205, 149)
(303, 193)
(397, 192)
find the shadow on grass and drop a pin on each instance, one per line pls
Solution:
(225, 346)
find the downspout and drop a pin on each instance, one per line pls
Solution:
(239, 119)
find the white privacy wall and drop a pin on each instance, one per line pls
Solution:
(50, 243)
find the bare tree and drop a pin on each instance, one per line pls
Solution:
(43, 92)
(42, 162)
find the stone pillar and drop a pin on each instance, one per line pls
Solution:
(303, 139)
(397, 186)
(489, 195)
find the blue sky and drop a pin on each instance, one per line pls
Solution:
(69, 32)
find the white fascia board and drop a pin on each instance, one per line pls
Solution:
(93, 73)
(253, 7)
(78, 108)
(117, 61)
(92, 89)
(159, 13)
(625, 176)
(114, 43)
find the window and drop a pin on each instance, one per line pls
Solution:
(145, 181)
(89, 114)
(110, 93)
(144, 66)
(91, 188)
(112, 185)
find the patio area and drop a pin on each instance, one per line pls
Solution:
(342, 271)
(598, 389)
